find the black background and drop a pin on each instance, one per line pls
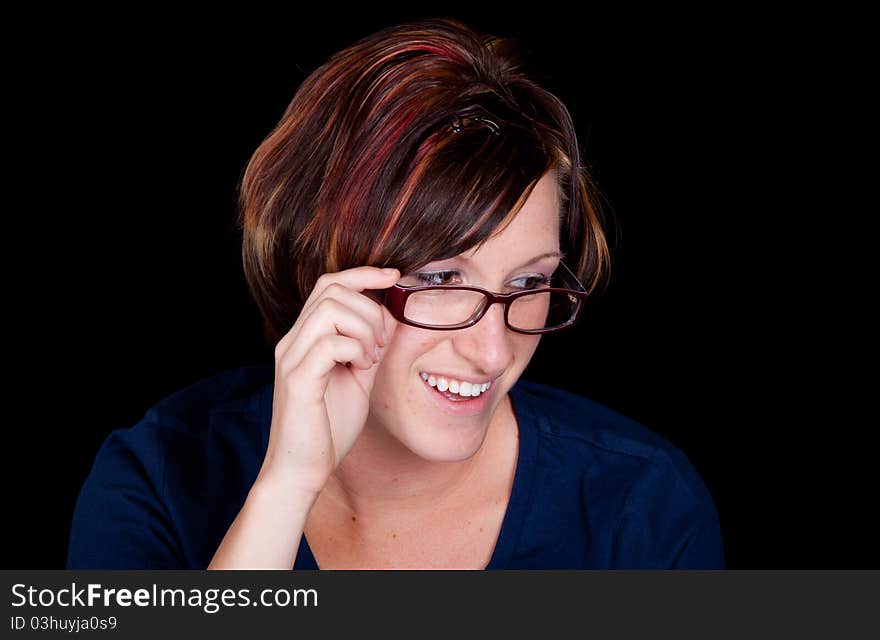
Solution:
(705, 135)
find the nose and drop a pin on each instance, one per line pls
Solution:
(489, 343)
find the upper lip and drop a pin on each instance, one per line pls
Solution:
(459, 378)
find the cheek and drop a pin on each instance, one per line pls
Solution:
(394, 390)
(398, 362)
(397, 385)
(406, 347)
(525, 346)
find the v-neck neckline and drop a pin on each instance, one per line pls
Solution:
(523, 481)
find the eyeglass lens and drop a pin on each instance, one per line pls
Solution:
(443, 308)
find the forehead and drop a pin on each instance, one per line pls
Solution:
(535, 226)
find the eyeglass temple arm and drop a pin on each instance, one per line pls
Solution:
(573, 277)
(378, 295)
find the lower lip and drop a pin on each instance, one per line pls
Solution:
(465, 407)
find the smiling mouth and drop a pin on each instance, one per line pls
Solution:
(450, 395)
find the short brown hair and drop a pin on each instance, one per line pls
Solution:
(365, 166)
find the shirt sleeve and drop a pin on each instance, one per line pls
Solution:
(120, 520)
(669, 520)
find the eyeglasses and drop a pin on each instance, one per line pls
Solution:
(450, 307)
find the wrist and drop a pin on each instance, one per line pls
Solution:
(272, 489)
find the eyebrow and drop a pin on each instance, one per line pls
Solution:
(548, 254)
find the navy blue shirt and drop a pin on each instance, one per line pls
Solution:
(592, 489)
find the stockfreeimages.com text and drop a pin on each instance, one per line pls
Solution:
(209, 600)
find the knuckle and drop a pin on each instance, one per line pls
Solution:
(324, 344)
(323, 281)
(286, 368)
(331, 305)
(334, 289)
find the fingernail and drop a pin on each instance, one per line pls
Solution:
(376, 352)
(390, 272)
(385, 336)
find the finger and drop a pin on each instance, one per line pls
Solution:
(358, 302)
(356, 279)
(330, 317)
(349, 302)
(309, 381)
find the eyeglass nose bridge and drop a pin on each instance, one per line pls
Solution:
(490, 298)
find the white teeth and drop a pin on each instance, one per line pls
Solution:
(464, 389)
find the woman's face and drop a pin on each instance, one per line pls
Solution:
(415, 413)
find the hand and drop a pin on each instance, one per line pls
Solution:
(325, 367)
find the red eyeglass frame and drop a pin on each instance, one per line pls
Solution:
(394, 299)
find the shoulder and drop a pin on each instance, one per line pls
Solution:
(217, 416)
(592, 432)
(561, 415)
(160, 491)
(230, 392)
(207, 408)
(628, 476)
(204, 414)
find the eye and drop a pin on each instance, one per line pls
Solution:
(536, 281)
(443, 278)
(436, 278)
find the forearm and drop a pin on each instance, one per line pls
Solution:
(266, 533)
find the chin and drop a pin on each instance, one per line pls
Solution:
(431, 427)
(438, 437)
(452, 445)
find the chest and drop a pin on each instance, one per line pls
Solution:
(449, 539)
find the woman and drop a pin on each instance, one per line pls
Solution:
(392, 429)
